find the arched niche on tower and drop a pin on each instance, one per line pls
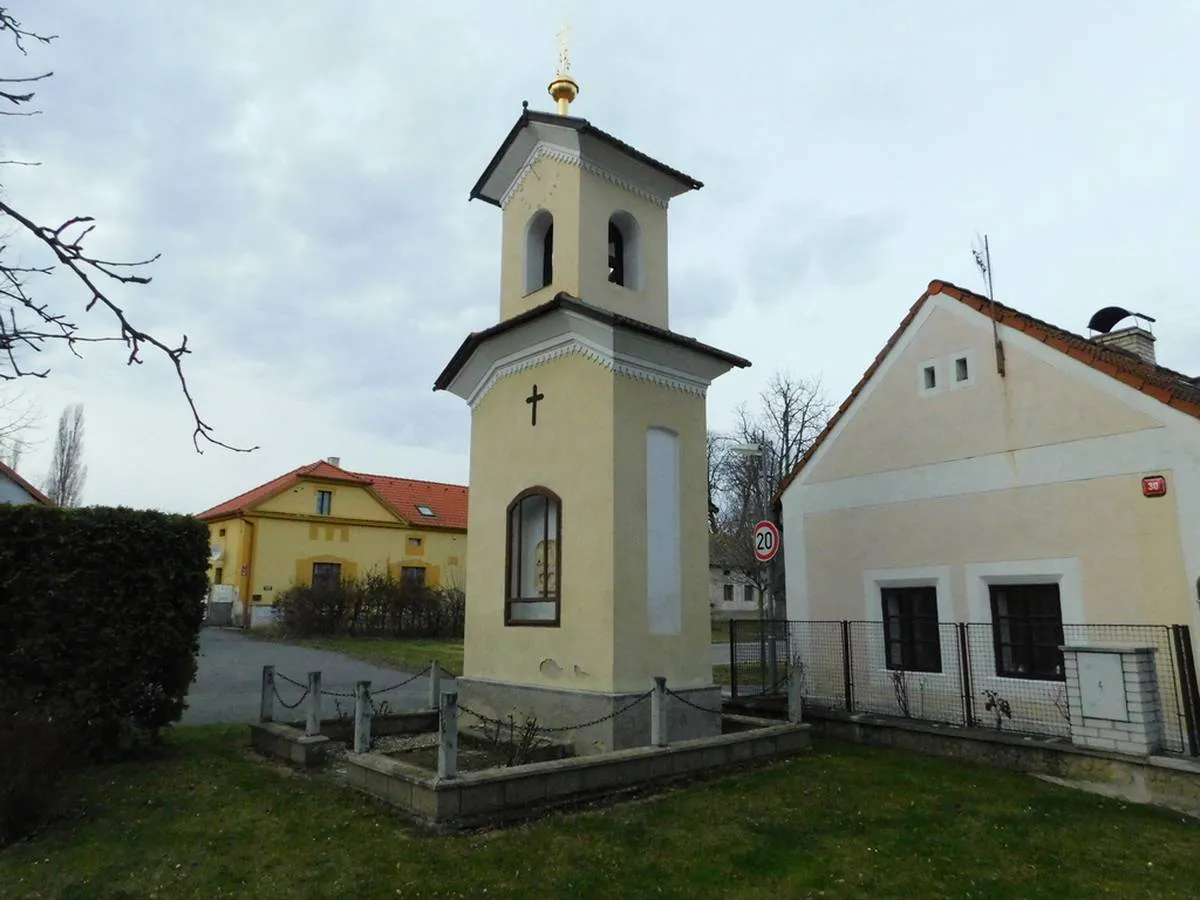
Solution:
(624, 251)
(539, 251)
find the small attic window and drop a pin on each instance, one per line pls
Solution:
(425, 510)
(930, 377)
(961, 370)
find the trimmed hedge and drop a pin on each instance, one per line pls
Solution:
(100, 614)
(376, 604)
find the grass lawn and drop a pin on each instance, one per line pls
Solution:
(410, 654)
(209, 820)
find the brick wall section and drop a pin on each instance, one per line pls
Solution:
(1141, 733)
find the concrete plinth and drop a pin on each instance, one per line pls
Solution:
(556, 708)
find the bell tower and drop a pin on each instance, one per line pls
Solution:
(587, 556)
(583, 213)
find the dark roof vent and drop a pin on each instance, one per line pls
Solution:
(1104, 319)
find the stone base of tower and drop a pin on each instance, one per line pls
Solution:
(561, 707)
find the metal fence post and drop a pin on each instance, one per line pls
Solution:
(312, 723)
(964, 667)
(362, 717)
(846, 669)
(448, 736)
(266, 711)
(733, 681)
(435, 684)
(1189, 692)
(658, 712)
(793, 695)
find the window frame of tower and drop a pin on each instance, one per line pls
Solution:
(624, 251)
(533, 520)
(616, 254)
(539, 251)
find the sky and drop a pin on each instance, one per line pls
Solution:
(304, 168)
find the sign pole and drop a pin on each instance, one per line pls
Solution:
(766, 545)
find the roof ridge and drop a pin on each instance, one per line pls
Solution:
(413, 480)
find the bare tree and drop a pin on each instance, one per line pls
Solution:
(765, 445)
(17, 417)
(64, 485)
(28, 326)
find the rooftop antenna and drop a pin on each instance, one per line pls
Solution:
(563, 88)
(983, 262)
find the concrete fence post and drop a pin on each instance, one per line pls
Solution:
(794, 700)
(362, 717)
(658, 712)
(448, 736)
(312, 722)
(266, 711)
(435, 684)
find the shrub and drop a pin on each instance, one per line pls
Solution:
(376, 604)
(102, 610)
(35, 748)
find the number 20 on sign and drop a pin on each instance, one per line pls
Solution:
(766, 541)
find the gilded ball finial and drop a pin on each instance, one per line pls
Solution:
(563, 88)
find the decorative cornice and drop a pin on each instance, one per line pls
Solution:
(574, 345)
(543, 150)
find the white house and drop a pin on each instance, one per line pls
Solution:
(991, 468)
(15, 489)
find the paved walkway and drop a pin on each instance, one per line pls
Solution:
(229, 678)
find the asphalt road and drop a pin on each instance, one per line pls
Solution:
(229, 679)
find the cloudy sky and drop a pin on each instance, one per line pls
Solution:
(303, 168)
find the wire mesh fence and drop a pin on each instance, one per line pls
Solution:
(966, 674)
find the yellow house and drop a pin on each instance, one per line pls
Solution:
(321, 521)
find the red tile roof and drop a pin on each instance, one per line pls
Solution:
(448, 502)
(1165, 385)
(7, 471)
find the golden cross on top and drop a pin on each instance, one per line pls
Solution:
(564, 60)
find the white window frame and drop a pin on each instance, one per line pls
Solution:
(969, 381)
(939, 380)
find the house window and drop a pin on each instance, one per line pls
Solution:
(425, 510)
(961, 371)
(324, 503)
(414, 543)
(728, 593)
(412, 576)
(747, 593)
(1027, 628)
(539, 251)
(930, 377)
(326, 575)
(221, 533)
(910, 628)
(534, 559)
(218, 576)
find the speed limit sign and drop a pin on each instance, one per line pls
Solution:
(766, 541)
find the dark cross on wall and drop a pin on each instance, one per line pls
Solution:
(532, 400)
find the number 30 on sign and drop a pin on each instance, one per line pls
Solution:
(766, 541)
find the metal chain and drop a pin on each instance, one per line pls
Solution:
(559, 728)
(291, 681)
(402, 683)
(686, 702)
(284, 703)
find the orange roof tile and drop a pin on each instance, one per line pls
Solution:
(10, 473)
(1165, 385)
(404, 496)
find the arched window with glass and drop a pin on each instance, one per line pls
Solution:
(533, 559)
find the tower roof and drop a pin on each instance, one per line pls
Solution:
(580, 138)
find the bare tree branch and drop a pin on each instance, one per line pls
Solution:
(66, 243)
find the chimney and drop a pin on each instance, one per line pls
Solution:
(1135, 339)
(337, 460)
